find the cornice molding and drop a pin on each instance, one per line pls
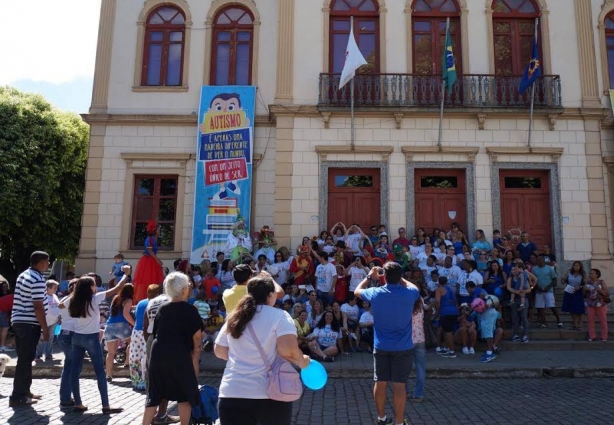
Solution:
(146, 119)
(495, 151)
(410, 151)
(324, 150)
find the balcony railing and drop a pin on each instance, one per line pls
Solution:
(425, 91)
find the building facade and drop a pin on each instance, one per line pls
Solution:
(309, 172)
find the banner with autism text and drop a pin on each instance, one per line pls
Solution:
(222, 186)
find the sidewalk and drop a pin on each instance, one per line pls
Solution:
(509, 364)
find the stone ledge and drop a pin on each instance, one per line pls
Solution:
(410, 151)
(324, 150)
(494, 151)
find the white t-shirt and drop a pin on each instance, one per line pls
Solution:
(245, 375)
(353, 241)
(53, 311)
(90, 324)
(325, 274)
(351, 310)
(453, 274)
(474, 277)
(422, 257)
(326, 336)
(152, 309)
(357, 274)
(414, 251)
(68, 323)
(366, 317)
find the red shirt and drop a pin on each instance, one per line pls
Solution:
(208, 284)
(402, 241)
(6, 303)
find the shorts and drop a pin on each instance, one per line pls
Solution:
(447, 323)
(4, 320)
(324, 347)
(544, 300)
(115, 331)
(392, 366)
(352, 324)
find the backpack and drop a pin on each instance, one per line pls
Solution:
(206, 412)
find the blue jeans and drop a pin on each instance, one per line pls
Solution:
(65, 343)
(45, 348)
(326, 298)
(420, 365)
(90, 343)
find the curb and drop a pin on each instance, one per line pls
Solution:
(53, 372)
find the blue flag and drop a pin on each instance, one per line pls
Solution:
(533, 71)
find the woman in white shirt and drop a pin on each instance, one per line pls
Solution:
(243, 391)
(84, 307)
(65, 343)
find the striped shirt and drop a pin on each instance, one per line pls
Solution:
(30, 288)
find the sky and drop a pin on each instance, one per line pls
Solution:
(49, 47)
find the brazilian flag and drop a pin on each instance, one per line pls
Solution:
(449, 68)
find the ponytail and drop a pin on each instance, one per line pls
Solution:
(243, 314)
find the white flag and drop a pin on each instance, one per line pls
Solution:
(353, 60)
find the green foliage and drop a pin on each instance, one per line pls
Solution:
(43, 156)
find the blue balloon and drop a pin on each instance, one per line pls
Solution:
(314, 376)
(58, 329)
(215, 290)
(498, 292)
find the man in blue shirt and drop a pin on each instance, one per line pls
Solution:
(544, 295)
(525, 248)
(391, 306)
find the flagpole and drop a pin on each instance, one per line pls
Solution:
(443, 94)
(352, 99)
(532, 95)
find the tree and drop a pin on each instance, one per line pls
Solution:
(43, 156)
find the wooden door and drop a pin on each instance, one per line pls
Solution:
(354, 196)
(439, 195)
(525, 204)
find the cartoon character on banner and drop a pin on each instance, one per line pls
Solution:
(265, 240)
(226, 102)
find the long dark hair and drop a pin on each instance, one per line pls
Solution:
(491, 272)
(225, 265)
(127, 293)
(81, 298)
(581, 271)
(334, 324)
(258, 290)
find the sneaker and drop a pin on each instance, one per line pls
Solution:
(449, 355)
(559, 325)
(5, 349)
(386, 421)
(466, 351)
(543, 326)
(496, 350)
(353, 336)
(604, 340)
(590, 339)
(441, 351)
(416, 399)
(515, 338)
(471, 350)
(23, 402)
(166, 419)
(521, 307)
(525, 339)
(488, 357)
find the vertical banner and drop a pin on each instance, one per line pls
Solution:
(223, 182)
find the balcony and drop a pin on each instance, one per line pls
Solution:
(425, 91)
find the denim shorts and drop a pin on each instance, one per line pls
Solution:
(115, 331)
(4, 320)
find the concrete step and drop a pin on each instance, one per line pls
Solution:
(554, 334)
(554, 345)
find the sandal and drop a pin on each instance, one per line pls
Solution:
(79, 409)
(111, 410)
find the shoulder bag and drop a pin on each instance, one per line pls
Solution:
(284, 381)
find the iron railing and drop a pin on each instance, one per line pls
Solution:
(469, 91)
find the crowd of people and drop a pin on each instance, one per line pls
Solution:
(340, 293)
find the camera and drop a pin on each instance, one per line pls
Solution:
(380, 272)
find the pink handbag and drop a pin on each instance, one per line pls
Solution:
(284, 381)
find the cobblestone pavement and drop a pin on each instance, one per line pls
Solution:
(350, 401)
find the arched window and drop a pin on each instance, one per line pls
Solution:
(609, 45)
(366, 32)
(164, 47)
(513, 31)
(429, 35)
(233, 39)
